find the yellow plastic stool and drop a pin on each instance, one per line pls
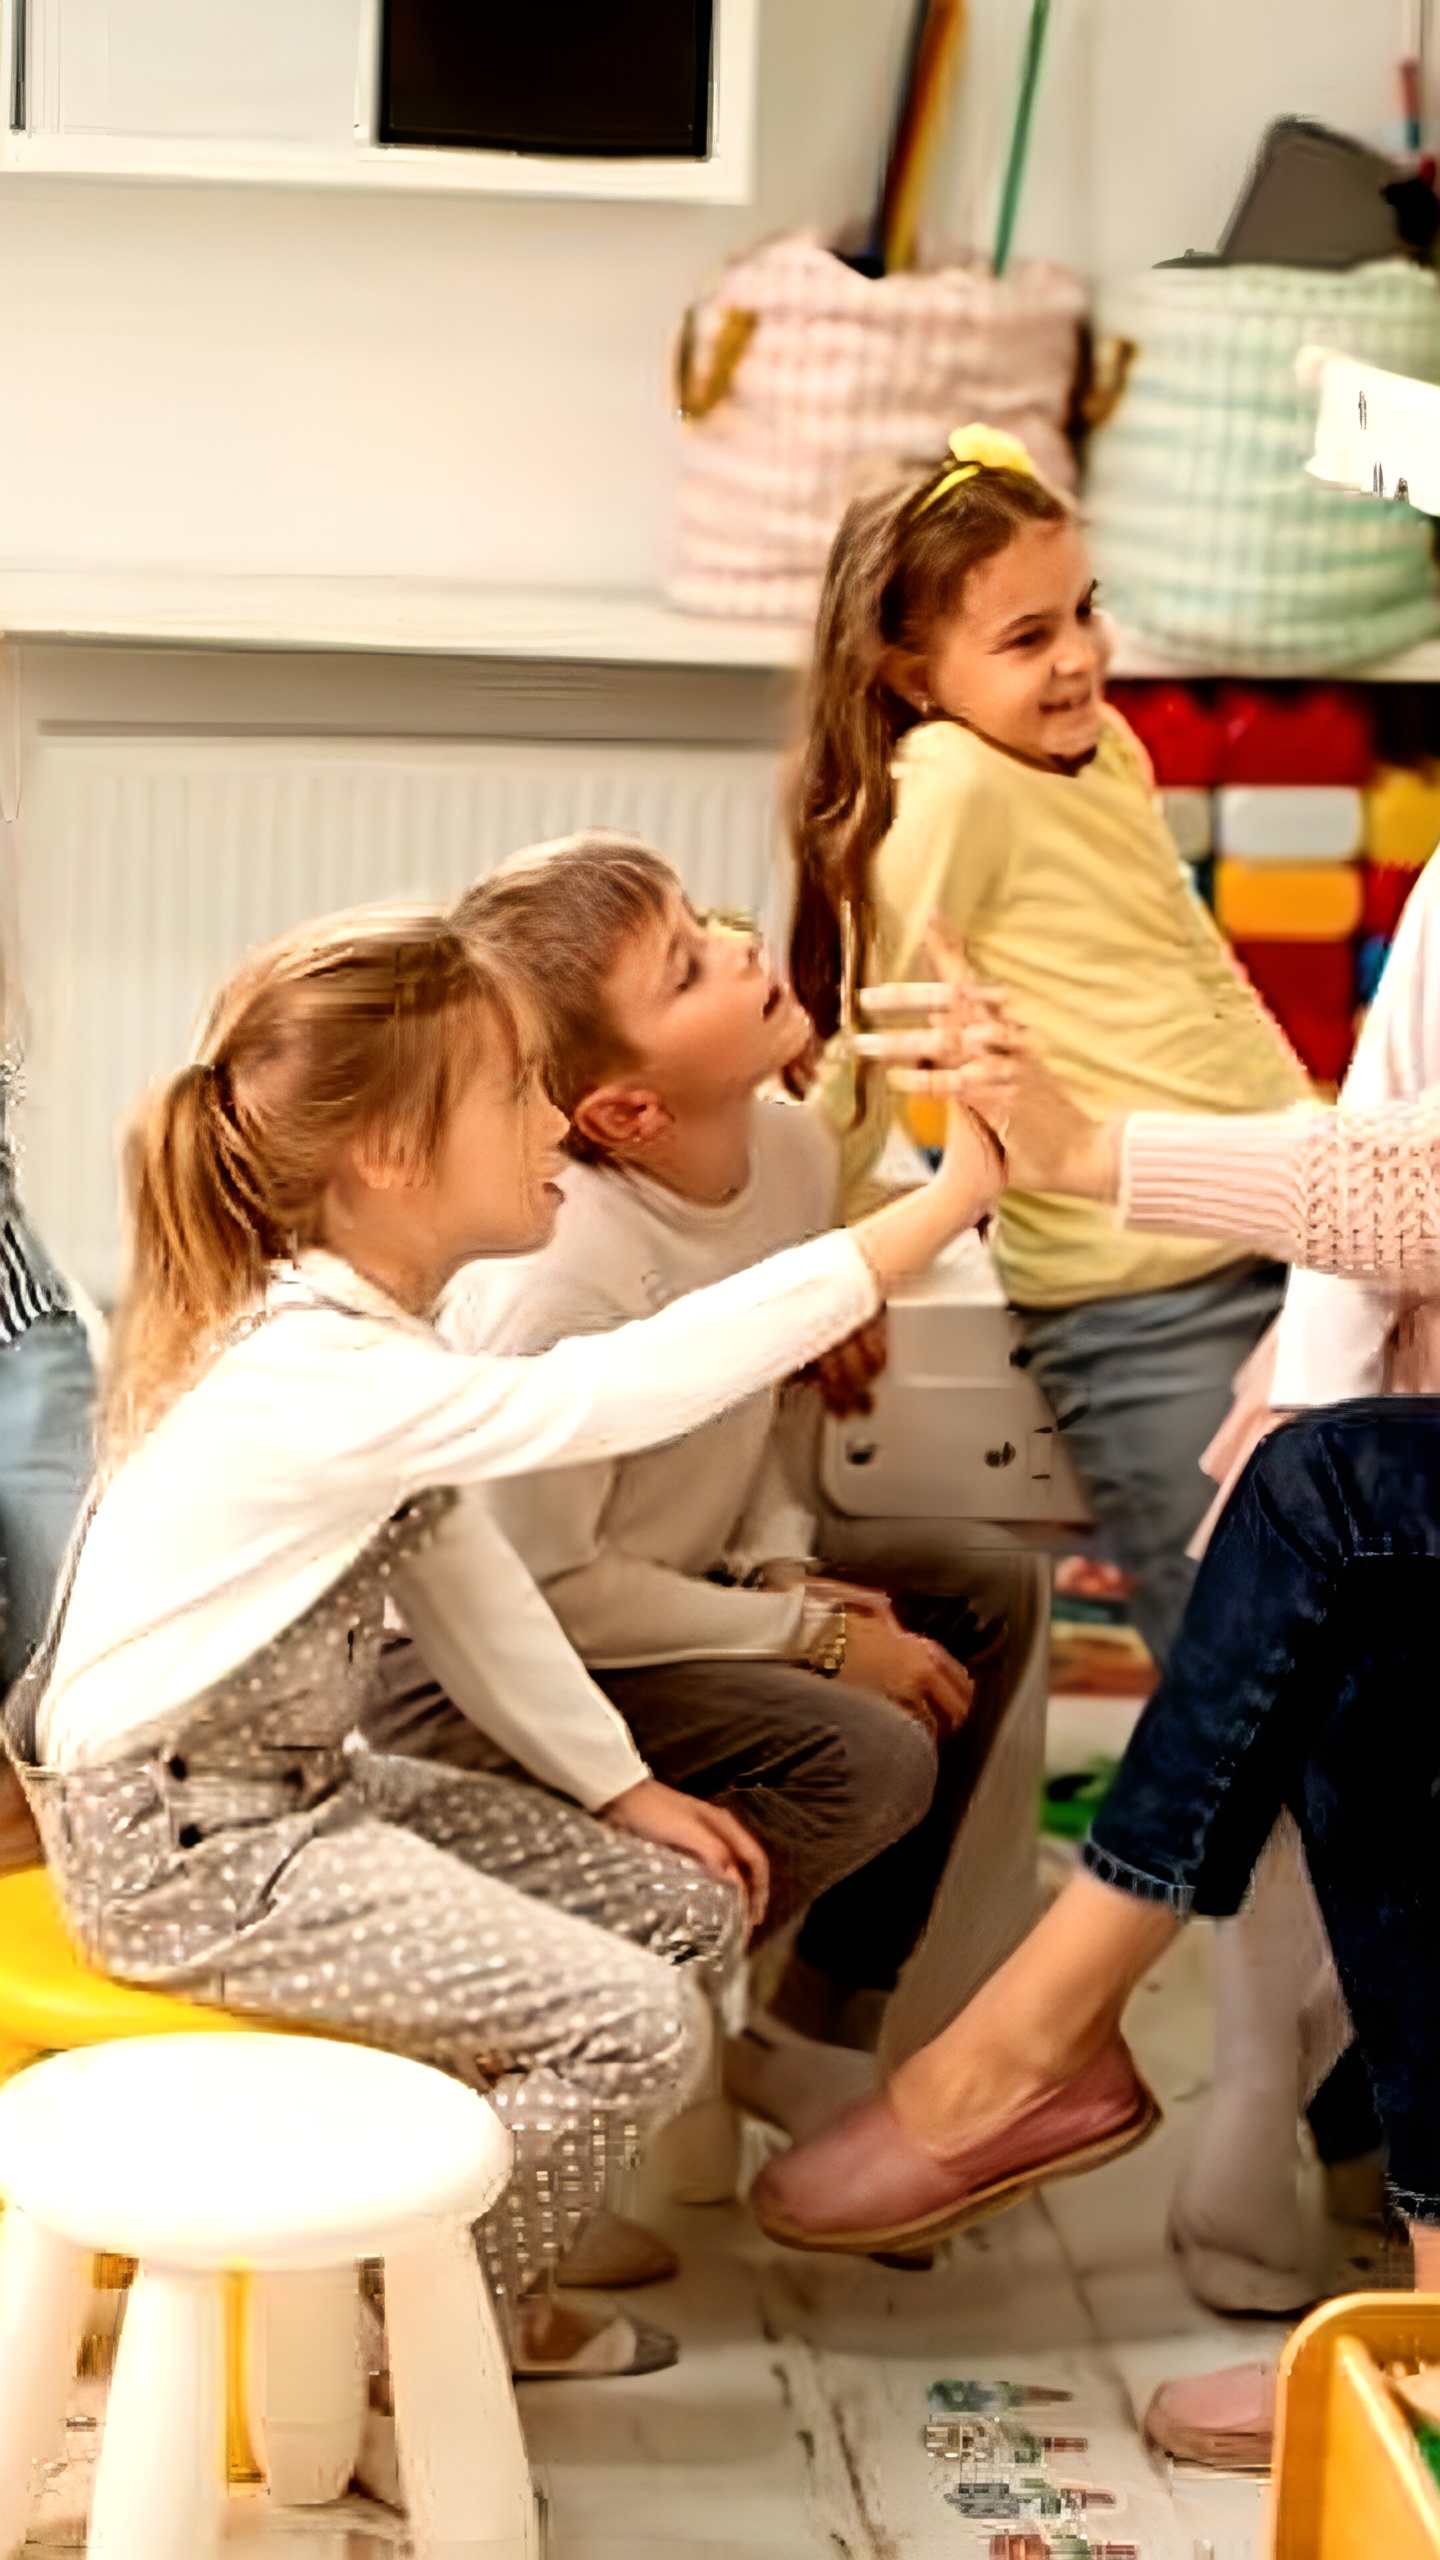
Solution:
(52, 2000)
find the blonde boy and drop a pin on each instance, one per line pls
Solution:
(684, 1577)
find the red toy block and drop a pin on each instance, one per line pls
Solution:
(1310, 989)
(1178, 730)
(1303, 733)
(1387, 886)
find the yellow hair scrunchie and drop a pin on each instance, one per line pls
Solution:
(975, 449)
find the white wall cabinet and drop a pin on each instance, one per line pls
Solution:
(286, 92)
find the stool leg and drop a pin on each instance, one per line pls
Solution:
(463, 2466)
(42, 2298)
(160, 2484)
(306, 2383)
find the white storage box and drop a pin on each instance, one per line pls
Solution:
(957, 1431)
(1274, 822)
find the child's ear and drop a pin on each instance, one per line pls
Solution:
(621, 1119)
(378, 1167)
(907, 674)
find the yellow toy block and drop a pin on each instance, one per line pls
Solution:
(1288, 902)
(1402, 819)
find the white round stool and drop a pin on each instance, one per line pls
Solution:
(288, 2157)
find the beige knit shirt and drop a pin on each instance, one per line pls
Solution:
(1351, 1191)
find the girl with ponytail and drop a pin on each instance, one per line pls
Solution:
(288, 1444)
(961, 765)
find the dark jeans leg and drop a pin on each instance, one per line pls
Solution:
(860, 1933)
(823, 1774)
(1342, 2115)
(1305, 1675)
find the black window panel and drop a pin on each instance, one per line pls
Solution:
(608, 79)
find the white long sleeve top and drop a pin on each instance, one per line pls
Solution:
(1335, 1334)
(268, 1477)
(630, 1551)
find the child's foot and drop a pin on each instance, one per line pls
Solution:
(868, 2186)
(791, 2081)
(1241, 2283)
(613, 2252)
(1225, 2420)
(696, 2158)
(559, 2341)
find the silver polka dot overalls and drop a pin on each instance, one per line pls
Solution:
(250, 1850)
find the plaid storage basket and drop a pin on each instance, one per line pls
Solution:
(802, 383)
(1210, 540)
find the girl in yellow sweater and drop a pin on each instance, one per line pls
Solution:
(961, 762)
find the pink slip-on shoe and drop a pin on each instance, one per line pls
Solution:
(866, 2186)
(1225, 2420)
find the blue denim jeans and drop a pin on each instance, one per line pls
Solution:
(1139, 1386)
(1307, 1676)
(47, 1402)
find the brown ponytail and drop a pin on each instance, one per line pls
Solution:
(897, 569)
(363, 1024)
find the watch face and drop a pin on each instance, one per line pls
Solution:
(616, 79)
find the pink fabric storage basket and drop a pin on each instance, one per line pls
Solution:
(826, 383)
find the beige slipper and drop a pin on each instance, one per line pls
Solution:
(612, 2253)
(565, 2342)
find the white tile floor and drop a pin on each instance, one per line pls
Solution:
(792, 2425)
(791, 2428)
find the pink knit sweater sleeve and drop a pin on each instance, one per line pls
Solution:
(1350, 1191)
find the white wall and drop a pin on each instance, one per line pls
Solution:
(220, 377)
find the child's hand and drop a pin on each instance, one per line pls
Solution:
(1050, 1143)
(704, 1832)
(846, 1374)
(913, 1672)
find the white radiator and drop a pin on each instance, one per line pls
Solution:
(148, 863)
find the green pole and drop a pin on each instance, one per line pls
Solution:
(1020, 133)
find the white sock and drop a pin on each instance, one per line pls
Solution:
(792, 2081)
(1239, 2190)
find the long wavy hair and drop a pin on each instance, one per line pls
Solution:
(363, 1025)
(896, 572)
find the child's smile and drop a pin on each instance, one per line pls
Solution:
(1022, 661)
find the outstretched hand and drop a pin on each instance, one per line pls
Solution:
(1050, 1143)
(956, 1002)
(971, 1050)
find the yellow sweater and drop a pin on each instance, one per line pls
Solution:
(1070, 894)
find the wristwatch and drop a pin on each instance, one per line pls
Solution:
(824, 1650)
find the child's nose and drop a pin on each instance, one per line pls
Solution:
(1079, 649)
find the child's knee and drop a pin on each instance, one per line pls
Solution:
(891, 1767)
(668, 2035)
